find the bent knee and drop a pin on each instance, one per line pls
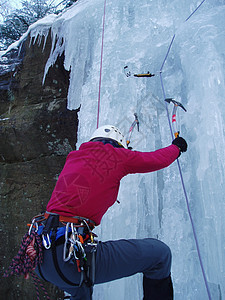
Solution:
(163, 260)
(165, 255)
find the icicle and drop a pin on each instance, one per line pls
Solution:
(58, 47)
(39, 40)
(45, 39)
(20, 47)
(30, 41)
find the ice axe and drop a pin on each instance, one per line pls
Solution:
(174, 121)
(136, 122)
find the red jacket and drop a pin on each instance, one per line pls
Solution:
(89, 182)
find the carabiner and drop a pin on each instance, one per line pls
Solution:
(33, 224)
(46, 243)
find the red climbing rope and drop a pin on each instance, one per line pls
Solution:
(100, 77)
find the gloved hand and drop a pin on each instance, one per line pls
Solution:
(180, 143)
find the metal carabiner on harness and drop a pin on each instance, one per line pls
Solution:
(50, 229)
(77, 248)
(33, 224)
(66, 258)
(46, 241)
(82, 251)
(72, 244)
(77, 245)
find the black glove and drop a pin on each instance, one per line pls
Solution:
(180, 143)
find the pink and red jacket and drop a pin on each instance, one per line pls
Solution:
(89, 182)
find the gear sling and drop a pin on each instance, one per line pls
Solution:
(79, 241)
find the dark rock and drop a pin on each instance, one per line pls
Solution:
(37, 132)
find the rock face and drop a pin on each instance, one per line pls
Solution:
(36, 132)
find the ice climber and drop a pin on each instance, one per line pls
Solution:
(88, 185)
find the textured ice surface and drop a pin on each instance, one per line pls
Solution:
(138, 34)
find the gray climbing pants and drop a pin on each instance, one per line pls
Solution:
(114, 260)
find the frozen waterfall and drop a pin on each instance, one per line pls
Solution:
(137, 34)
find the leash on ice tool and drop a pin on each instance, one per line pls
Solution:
(179, 167)
(176, 104)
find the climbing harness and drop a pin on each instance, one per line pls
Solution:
(49, 230)
(128, 73)
(174, 116)
(180, 171)
(136, 122)
(80, 244)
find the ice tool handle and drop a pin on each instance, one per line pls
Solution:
(174, 121)
(136, 122)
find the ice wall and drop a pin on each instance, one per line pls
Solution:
(138, 34)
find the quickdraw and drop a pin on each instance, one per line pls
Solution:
(45, 230)
(174, 121)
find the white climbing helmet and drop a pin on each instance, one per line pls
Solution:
(110, 132)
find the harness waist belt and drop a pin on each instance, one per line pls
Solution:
(75, 220)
